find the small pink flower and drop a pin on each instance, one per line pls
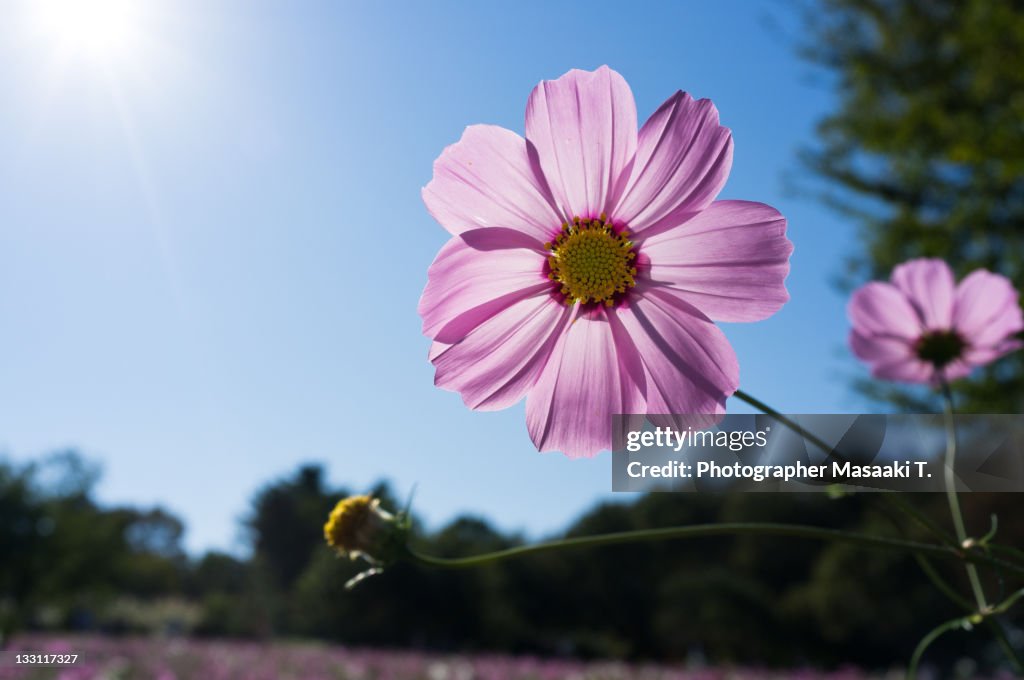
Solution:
(589, 260)
(923, 328)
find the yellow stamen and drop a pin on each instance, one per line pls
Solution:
(592, 261)
(354, 525)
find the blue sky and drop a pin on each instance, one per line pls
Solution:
(212, 241)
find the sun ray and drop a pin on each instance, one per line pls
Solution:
(102, 29)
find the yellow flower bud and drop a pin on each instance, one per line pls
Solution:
(358, 527)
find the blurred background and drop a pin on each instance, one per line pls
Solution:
(213, 245)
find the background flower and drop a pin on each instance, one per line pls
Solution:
(921, 327)
(589, 260)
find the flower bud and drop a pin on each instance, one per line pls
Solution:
(358, 527)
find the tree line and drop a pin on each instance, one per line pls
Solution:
(70, 563)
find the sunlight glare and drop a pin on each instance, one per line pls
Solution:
(97, 28)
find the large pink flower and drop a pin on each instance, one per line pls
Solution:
(589, 260)
(921, 327)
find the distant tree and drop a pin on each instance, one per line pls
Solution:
(925, 151)
(287, 523)
(62, 553)
(21, 519)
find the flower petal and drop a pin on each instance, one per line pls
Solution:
(911, 370)
(690, 366)
(497, 362)
(878, 349)
(730, 261)
(683, 159)
(929, 286)
(476, 275)
(584, 383)
(979, 356)
(583, 127)
(879, 308)
(986, 311)
(488, 179)
(958, 368)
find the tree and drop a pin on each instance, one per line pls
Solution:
(287, 523)
(926, 148)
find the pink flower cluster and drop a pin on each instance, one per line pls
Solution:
(183, 659)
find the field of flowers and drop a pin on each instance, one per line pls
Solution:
(103, 658)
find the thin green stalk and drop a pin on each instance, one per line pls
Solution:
(921, 519)
(945, 588)
(966, 622)
(1004, 643)
(927, 640)
(1008, 602)
(933, 575)
(703, 530)
(791, 424)
(951, 496)
(890, 498)
(1007, 550)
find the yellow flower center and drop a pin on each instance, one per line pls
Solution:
(350, 521)
(592, 261)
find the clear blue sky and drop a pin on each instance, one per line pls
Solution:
(212, 241)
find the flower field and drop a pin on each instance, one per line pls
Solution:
(174, 659)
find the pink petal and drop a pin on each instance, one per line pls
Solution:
(583, 126)
(879, 308)
(979, 356)
(497, 362)
(682, 161)
(876, 349)
(986, 311)
(584, 383)
(956, 369)
(928, 285)
(911, 370)
(487, 179)
(476, 275)
(690, 366)
(730, 261)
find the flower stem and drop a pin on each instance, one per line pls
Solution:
(791, 424)
(951, 497)
(927, 640)
(1004, 643)
(703, 530)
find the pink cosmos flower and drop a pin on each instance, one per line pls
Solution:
(589, 260)
(922, 327)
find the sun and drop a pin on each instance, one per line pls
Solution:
(102, 29)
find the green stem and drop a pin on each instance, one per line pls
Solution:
(940, 583)
(703, 530)
(791, 424)
(998, 632)
(890, 498)
(1008, 602)
(951, 497)
(928, 639)
(966, 622)
(921, 519)
(1004, 643)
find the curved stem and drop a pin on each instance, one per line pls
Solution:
(951, 497)
(1004, 643)
(791, 424)
(921, 519)
(698, 531)
(928, 639)
(889, 498)
(940, 583)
